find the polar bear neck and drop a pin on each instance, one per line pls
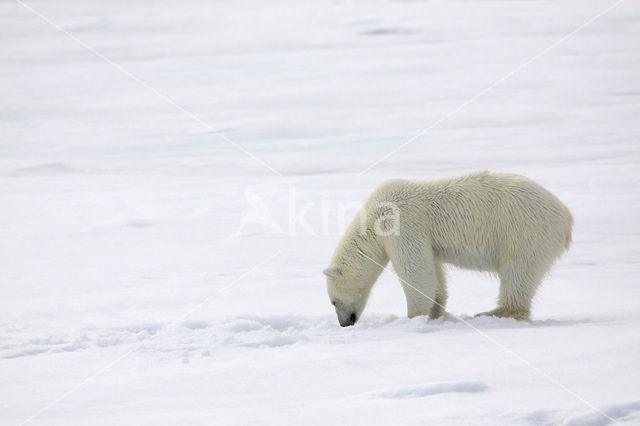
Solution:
(360, 253)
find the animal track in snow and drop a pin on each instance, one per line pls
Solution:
(619, 412)
(430, 389)
(242, 331)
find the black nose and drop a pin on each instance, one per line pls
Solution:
(352, 320)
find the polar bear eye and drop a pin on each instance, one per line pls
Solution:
(333, 302)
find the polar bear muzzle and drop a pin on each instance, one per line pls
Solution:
(347, 321)
(346, 315)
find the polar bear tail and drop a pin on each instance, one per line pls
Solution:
(567, 242)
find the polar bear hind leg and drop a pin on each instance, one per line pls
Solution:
(518, 284)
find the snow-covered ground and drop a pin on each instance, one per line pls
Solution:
(151, 272)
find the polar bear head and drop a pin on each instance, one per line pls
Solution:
(346, 298)
(358, 261)
(349, 287)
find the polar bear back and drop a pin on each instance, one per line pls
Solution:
(483, 220)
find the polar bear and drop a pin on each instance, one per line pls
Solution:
(501, 223)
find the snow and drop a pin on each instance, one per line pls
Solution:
(154, 273)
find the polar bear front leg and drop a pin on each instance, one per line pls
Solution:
(414, 265)
(442, 295)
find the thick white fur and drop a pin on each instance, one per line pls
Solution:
(501, 223)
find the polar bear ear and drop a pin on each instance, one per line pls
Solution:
(332, 271)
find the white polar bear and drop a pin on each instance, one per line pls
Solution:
(501, 223)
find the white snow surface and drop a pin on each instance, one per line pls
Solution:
(138, 288)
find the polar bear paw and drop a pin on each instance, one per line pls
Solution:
(506, 313)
